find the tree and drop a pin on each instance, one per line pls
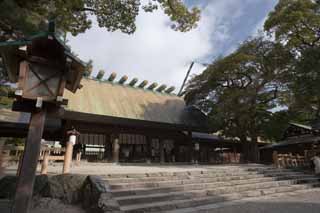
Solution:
(296, 25)
(75, 16)
(239, 91)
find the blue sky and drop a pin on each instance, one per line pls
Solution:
(158, 54)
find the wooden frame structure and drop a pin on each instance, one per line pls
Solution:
(45, 67)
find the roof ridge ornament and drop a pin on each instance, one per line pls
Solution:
(152, 86)
(112, 77)
(169, 90)
(123, 79)
(143, 84)
(133, 82)
(161, 88)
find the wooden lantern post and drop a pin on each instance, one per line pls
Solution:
(43, 68)
(72, 134)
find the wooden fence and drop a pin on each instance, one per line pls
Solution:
(14, 154)
(290, 160)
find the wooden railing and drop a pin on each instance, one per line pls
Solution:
(47, 154)
(290, 160)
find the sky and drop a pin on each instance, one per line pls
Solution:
(159, 54)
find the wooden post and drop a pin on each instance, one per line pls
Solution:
(190, 147)
(68, 157)
(21, 202)
(45, 162)
(115, 148)
(196, 153)
(149, 149)
(161, 149)
(69, 150)
(78, 158)
(107, 147)
(275, 159)
(1, 157)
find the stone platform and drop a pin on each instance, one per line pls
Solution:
(202, 188)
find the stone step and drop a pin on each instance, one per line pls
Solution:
(183, 181)
(212, 190)
(206, 200)
(145, 198)
(172, 186)
(230, 202)
(161, 175)
(125, 181)
(190, 172)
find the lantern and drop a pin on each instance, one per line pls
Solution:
(43, 67)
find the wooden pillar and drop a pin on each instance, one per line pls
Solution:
(149, 149)
(196, 153)
(78, 158)
(21, 202)
(275, 159)
(190, 147)
(176, 151)
(115, 150)
(45, 162)
(161, 149)
(107, 147)
(67, 157)
(69, 150)
(1, 157)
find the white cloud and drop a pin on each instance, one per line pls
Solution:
(155, 52)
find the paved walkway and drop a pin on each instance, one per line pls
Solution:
(308, 202)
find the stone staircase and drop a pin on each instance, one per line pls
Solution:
(200, 191)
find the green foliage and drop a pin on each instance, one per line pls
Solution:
(6, 93)
(240, 90)
(3, 73)
(15, 141)
(296, 25)
(75, 16)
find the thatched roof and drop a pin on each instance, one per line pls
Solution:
(124, 101)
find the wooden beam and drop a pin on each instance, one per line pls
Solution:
(125, 122)
(23, 196)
